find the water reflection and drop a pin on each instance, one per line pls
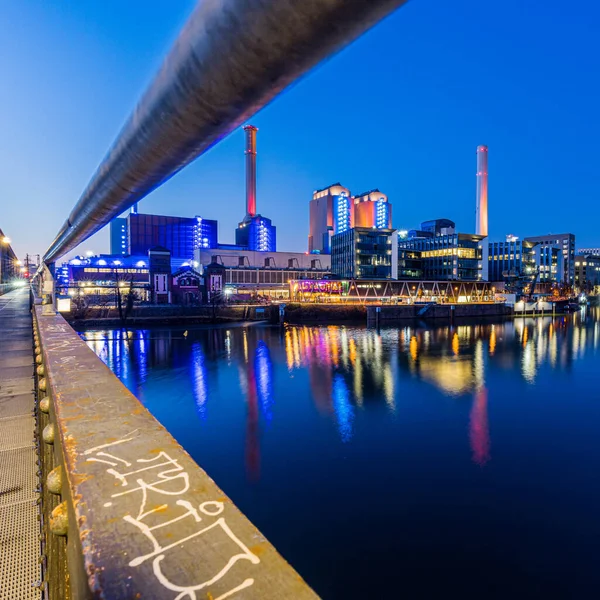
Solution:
(348, 371)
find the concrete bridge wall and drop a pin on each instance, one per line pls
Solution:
(128, 513)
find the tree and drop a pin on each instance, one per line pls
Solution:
(125, 296)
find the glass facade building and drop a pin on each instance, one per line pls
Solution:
(566, 243)
(550, 262)
(455, 257)
(410, 264)
(363, 253)
(511, 259)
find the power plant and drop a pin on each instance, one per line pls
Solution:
(254, 232)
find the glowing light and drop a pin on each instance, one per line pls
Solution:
(344, 411)
(89, 253)
(6, 240)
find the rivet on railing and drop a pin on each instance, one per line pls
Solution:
(45, 405)
(38, 349)
(48, 434)
(54, 480)
(42, 384)
(59, 520)
(38, 359)
(40, 370)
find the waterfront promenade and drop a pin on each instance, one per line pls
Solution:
(19, 526)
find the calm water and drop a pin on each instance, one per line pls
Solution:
(417, 462)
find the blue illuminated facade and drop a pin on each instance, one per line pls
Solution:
(180, 235)
(205, 233)
(256, 233)
(119, 237)
(342, 214)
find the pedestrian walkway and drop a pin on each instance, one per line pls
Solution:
(19, 528)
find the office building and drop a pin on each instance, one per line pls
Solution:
(365, 253)
(566, 243)
(410, 264)
(550, 261)
(453, 257)
(255, 232)
(511, 259)
(588, 251)
(119, 243)
(587, 272)
(329, 209)
(372, 209)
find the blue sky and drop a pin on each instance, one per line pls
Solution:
(402, 109)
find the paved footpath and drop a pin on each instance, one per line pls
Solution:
(19, 527)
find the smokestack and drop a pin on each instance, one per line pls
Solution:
(481, 225)
(250, 170)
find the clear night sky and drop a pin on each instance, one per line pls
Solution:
(403, 109)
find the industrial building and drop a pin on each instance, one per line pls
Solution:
(327, 202)
(267, 274)
(334, 210)
(119, 240)
(565, 242)
(364, 252)
(372, 209)
(255, 232)
(135, 234)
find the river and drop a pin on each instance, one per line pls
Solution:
(421, 461)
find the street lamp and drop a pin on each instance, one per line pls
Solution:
(6, 240)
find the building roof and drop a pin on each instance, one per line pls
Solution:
(374, 190)
(329, 186)
(187, 270)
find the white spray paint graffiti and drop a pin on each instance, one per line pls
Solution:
(165, 477)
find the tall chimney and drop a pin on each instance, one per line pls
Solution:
(250, 170)
(481, 225)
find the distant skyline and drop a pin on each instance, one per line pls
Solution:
(403, 109)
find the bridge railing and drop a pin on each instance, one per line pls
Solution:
(126, 511)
